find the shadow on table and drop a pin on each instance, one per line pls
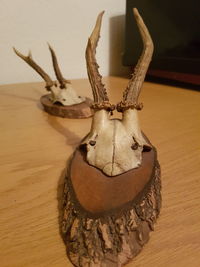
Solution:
(20, 97)
(32, 99)
(71, 138)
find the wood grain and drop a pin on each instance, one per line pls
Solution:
(36, 146)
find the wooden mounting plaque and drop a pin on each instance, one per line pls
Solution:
(107, 220)
(77, 111)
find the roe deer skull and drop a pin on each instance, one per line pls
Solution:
(115, 146)
(64, 94)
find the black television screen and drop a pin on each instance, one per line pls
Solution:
(175, 29)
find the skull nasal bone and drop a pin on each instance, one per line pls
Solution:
(112, 169)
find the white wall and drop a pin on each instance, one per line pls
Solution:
(66, 25)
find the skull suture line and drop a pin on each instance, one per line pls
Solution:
(64, 94)
(115, 146)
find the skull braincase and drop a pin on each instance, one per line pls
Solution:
(110, 143)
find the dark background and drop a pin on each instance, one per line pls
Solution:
(174, 26)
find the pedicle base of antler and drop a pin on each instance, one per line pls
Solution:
(122, 106)
(103, 105)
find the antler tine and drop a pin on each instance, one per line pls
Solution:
(58, 73)
(131, 94)
(28, 59)
(101, 100)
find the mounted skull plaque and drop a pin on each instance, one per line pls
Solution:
(63, 100)
(112, 188)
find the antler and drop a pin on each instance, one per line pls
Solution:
(101, 100)
(58, 73)
(131, 93)
(29, 60)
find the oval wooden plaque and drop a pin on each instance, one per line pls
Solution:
(77, 111)
(107, 220)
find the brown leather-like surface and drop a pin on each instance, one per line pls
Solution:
(97, 192)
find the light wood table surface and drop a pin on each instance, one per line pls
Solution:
(33, 154)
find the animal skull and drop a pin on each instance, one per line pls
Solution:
(64, 94)
(67, 96)
(115, 146)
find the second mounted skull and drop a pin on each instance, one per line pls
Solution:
(63, 100)
(116, 146)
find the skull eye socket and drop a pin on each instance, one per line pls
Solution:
(92, 142)
(135, 146)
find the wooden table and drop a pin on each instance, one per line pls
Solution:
(34, 151)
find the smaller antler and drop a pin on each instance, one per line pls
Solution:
(29, 60)
(131, 94)
(58, 73)
(101, 100)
